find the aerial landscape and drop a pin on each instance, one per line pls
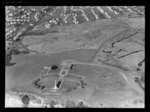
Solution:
(75, 56)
